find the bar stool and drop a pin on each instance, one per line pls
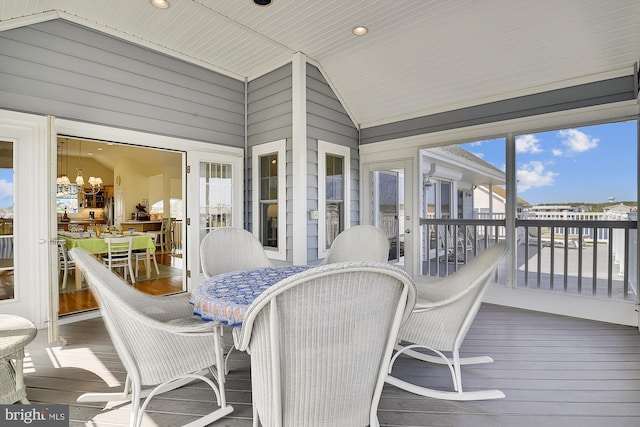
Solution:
(15, 333)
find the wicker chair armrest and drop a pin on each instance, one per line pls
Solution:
(437, 291)
(186, 326)
(165, 308)
(421, 280)
(190, 326)
(423, 305)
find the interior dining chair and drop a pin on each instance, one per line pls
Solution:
(163, 235)
(442, 316)
(228, 249)
(359, 243)
(119, 255)
(161, 344)
(320, 344)
(141, 256)
(65, 263)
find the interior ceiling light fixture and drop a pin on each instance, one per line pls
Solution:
(262, 2)
(160, 4)
(63, 181)
(360, 30)
(94, 181)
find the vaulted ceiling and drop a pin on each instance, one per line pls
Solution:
(419, 56)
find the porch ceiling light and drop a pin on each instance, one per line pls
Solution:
(360, 30)
(160, 4)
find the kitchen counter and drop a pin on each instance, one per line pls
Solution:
(84, 222)
(142, 225)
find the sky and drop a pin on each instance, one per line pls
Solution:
(6, 188)
(592, 164)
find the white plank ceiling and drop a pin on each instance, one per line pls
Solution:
(419, 57)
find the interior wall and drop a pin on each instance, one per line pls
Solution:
(136, 183)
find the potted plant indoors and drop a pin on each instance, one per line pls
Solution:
(142, 214)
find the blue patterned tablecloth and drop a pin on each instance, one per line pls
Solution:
(226, 297)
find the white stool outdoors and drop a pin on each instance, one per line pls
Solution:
(15, 333)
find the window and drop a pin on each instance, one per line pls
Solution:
(67, 199)
(445, 199)
(216, 196)
(269, 197)
(6, 221)
(333, 193)
(176, 207)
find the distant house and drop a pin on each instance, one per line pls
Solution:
(450, 175)
(483, 203)
(551, 208)
(620, 208)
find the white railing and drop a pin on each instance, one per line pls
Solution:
(600, 235)
(552, 254)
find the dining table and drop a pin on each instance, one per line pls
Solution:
(97, 245)
(226, 297)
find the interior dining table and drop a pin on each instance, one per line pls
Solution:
(97, 245)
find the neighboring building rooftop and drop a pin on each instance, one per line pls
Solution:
(551, 208)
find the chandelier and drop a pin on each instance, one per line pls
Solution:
(94, 182)
(62, 182)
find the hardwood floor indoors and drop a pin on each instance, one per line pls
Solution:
(555, 371)
(75, 301)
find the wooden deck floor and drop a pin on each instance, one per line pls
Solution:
(554, 370)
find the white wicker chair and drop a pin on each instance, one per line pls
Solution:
(320, 344)
(228, 249)
(359, 243)
(158, 340)
(440, 321)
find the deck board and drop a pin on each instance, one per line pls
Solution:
(554, 370)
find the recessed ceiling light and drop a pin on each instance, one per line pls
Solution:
(160, 4)
(360, 30)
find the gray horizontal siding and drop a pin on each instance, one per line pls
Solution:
(327, 120)
(72, 72)
(326, 117)
(269, 107)
(579, 96)
(269, 118)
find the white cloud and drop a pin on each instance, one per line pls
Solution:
(557, 152)
(528, 144)
(533, 175)
(480, 155)
(6, 189)
(577, 141)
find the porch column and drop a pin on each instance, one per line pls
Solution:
(299, 159)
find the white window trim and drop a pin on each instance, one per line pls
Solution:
(325, 148)
(279, 148)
